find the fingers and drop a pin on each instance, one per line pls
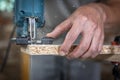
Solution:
(95, 46)
(100, 46)
(72, 35)
(82, 47)
(60, 29)
(84, 43)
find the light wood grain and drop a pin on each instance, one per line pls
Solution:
(109, 52)
(54, 49)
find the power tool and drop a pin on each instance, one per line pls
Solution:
(29, 15)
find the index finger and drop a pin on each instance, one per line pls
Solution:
(64, 26)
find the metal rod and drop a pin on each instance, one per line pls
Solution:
(4, 62)
(33, 31)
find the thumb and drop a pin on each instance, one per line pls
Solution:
(61, 28)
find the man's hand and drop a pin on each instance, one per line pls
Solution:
(88, 22)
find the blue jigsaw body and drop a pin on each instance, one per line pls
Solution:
(25, 9)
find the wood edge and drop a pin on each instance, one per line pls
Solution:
(25, 66)
(102, 56)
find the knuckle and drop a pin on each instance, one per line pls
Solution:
(82, 17)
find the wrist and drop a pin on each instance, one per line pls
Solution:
(100, 10)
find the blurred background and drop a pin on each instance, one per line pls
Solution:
(12, 70)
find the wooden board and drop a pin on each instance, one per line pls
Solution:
(109, 53)
(25, 66)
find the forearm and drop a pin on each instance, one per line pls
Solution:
(109, 10)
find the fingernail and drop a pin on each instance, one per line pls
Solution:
(47, 34)
(62, 53)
